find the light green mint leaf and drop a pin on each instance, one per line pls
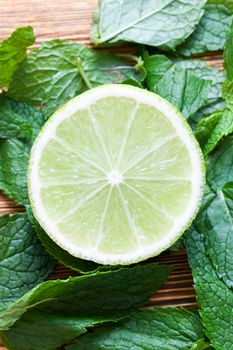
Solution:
(67, 307)
(19, 120)
(156, 66)
(184, 90)
(228, 54)
(162, 23)
(13, 51)
(23, 261)
(60, 70)
(152, 328)
(211, 129)
(211, 32)
(14, 155)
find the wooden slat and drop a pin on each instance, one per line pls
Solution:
(71, 19)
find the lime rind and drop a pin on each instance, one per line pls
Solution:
(83, 101)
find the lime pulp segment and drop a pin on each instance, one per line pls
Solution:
(115, 175)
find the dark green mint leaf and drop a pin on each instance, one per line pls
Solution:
(201, 70)
(67, 307)
(14, 156)
(157, 66)
(13, 51)
(19, 120)
(211, 32)
(214, 297)
(227, 3)
(60, 70)
(153, 23)
(220, 165)
(183, 89)
(214, 221)
(211, 129)
(228, 54)
(23, 261)
(216, 301)
(152, 328)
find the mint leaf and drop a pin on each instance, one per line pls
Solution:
(211, 129)
(184, 90)
(201, 70)
(214, 220)
(216, 301)
(156, 66)
(152, 328)
(228, 54)
(220, 165)
(23, 261)
(214, 297)
(19, 120)
(159, 67)
(66, 308)
(211, 32)
(14, 156)
(227, 3)
(60, 70)
(13, 51)
(153, 23)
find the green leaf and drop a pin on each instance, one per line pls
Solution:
(184, 90)
(157, 66)
(23, 261)
(216, 301)
(227, 3)
(14, 156)
(214, 297)
(19, 120)
(220, 165)
(63, 309)
(152, 328)
(211, 129)
(13, 51)
(201, 70)
(215, 221)
(151, 22)
(228, 54)
(211, 32)
(60, 70)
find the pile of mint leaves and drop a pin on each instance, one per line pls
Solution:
(102, 308)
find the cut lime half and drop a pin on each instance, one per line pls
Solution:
(116, 175)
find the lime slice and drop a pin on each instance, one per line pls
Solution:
(115, 175)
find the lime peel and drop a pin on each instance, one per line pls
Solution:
(104, 215)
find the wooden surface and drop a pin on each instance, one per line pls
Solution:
(70, 19)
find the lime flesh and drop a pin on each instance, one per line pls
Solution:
(115, 175)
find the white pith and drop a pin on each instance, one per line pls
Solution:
(114, 177)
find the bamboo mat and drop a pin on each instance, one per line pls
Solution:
(71, 19)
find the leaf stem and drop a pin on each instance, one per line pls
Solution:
(139, 61)
(83, 74)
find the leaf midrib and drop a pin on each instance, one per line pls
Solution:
(132, 24)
